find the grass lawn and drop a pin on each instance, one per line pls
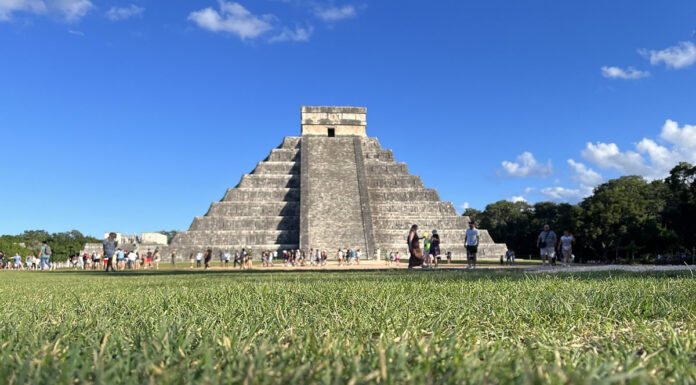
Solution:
(353, 327)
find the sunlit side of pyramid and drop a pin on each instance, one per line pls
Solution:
(333, 187)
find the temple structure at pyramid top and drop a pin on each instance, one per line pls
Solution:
(333, 187)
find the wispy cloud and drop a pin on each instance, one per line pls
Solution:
(335, 13)
(232, 18)
(77, 33)
(123, 13)
(526, 165)
(69, 10)
(618, 73)
(297, 34)
(679, 56)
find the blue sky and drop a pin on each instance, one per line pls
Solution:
(135, 115)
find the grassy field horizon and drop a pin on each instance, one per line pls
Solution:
(390, 326)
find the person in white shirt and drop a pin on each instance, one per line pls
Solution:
(567, 241)
(471, 239)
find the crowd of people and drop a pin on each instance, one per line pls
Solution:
(112, 257)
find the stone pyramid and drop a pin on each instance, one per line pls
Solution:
(331, 188)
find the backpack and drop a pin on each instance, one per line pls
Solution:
(47, 250)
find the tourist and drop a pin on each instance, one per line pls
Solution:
(148, 259)
(471, 239)
(397, 258)
(414, 250)
(435, 247)
(339, 255)
(227, 257)
(426, 250)
(242, 259)
(95, 260)
(567, 241)
(199, 258)
(191, 259)
(109, 245)
(449, 257)
(120, 259)
(351, 256)
(274, 255)
(173, 257)
(18, 262)
(358, 255)
(30, 262)
(546, 242)
(132, 260)
(45, 255)
(157, 256)
(208, 257)
(510, 257)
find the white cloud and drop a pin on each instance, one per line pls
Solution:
(298, 34)
(528, 190)
(464, 206)
(517, 198)
(678, 56)
(70, 10)
(526, 166)
(232, 18)
(618, 73)
(123, 13)
(584, 175)
(73, 10)
(334, 13)
(562, 194)
(7, 7)
(650, 159)
(77, 33)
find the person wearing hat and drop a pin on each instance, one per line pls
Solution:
(471, 239)
(435, 247)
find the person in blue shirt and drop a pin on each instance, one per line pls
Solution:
(110, 245)
(45, 255)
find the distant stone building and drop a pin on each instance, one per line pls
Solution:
(138, 243)
(333, 187)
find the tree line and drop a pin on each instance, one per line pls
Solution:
(62, 244)
(626, 219)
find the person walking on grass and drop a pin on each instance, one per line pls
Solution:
(157, 256)
(427, 261)
(449, 257)
(120, 256)
(242, 259)
(208, 257)
(435, 247)
(567, 241)
(471, 239)
(414, 250)
(199, 258)
(109, 247)
(546, 242)
(173, 257)
(191, 259)
(45, 255)
(228, 256)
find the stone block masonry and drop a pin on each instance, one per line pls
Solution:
(332, 187)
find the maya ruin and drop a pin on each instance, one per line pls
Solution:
(332, 187)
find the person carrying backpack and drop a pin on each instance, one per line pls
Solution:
(45, 255)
